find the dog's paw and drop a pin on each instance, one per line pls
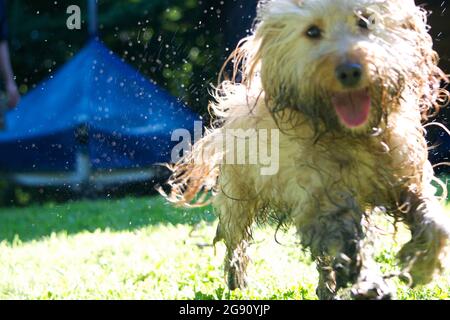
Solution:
(372, 289)
(346, 269)
(235, 279)
(325, 293)
(422, 256)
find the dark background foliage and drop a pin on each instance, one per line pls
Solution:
(179, 44)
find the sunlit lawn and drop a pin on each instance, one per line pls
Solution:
(144, 249)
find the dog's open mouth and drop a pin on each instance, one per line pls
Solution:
(352, 107)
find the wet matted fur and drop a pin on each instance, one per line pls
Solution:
(331, 175)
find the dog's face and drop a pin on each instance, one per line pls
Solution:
(345, 62)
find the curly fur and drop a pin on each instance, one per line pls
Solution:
(330, 177)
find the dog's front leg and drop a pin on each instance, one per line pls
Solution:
(371, 284)
(326, 289)
(334, 243)
(422, 256)
(235, 221)
(344, 255)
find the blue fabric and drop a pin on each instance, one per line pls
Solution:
(129, 119)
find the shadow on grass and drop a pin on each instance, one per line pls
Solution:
(127, 214)
(37, 221)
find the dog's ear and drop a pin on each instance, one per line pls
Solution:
(277, 7)
(411, 9)
(427, 75)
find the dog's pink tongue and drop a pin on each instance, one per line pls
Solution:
(353, 108)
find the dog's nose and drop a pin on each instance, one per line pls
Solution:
(349, 74)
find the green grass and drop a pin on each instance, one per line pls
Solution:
(145, 249)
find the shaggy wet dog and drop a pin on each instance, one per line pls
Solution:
(339, 91)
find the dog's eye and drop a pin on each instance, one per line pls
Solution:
(363, 23)
(314, 32)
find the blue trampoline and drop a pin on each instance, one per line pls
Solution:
(96, 116)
